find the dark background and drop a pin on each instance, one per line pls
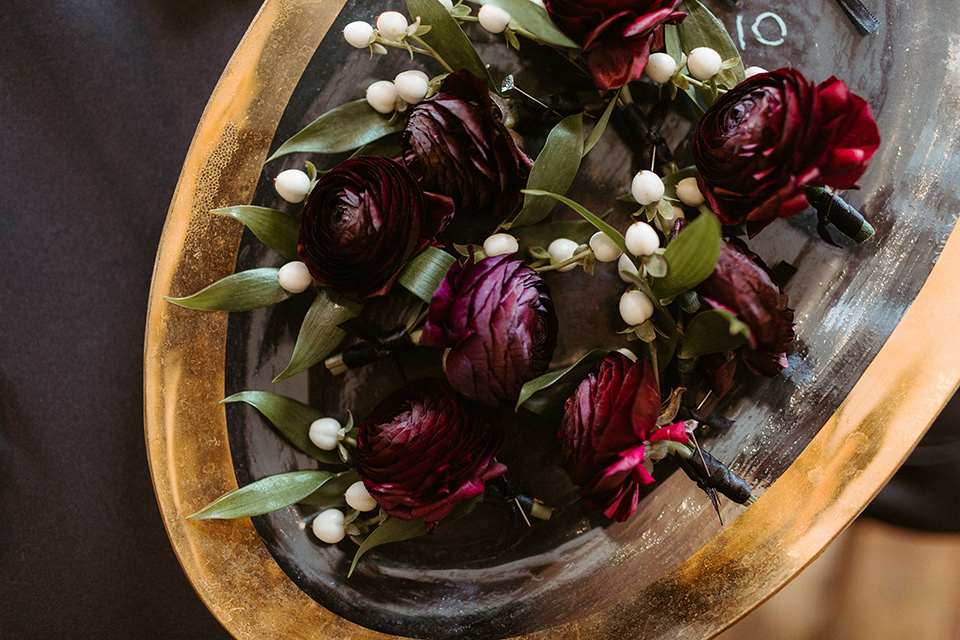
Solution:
(98, 103)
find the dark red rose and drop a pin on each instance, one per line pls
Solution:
(762, 142)
(456, 145)
(498, 320)
(424, 449)
(607, 424)
(616, 35)
(742, 284)
(363, 221)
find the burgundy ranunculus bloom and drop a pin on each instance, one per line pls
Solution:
(616, 35)
(498, 320)
(758, 146)
(742, 285)
(424, 449)
(363, 221)
(456, 145)
(606, 425)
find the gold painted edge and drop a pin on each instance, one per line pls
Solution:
(846, 464)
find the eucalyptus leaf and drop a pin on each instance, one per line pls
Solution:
(320, 332)
(343, 128)
(448, 39)
(536, 20)
(424, 273)
(703, 29)
(264, 496)
(290, 417)
(395, 530)
(557, 386)
(331, 493)
(601, 125)
(278, 230)
(554, 170)
(242, 291)
(691, 256)
(713, 331)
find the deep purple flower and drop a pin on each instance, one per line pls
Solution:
(497, 318)
(742, 284)
(456, 145)
(762, 142)
(424, 449)
(606, 426)
(616, 35)
(363, 221)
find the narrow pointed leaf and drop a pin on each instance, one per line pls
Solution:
(713, 331)
(331, 493)
(424, 273)
(394, 529)
(536, 20)
(703, 29)
(601, 125)
(278, 230)
(290, 417)
(691, 256)
(555, 387)
(448, 39)
(320, 332)
(554, 170)
(343, 128)
(242, 291)
(264, 496)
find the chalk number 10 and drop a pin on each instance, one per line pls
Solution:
(755, 28)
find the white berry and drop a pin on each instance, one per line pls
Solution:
(754, 71)
(358, 34)
(294, 277)
(647, 187)
(499, 244)
(324, 433)
(382, 96)
(635, 307)
(328, 526)
(292, 185)
(689, 192)
(359, 498)
(604, 249)
(704, 63)
(392, 25)
(493, 18)
(412, 86)
(661, 67)
(625, 264)
(561, 250)
(642, 239)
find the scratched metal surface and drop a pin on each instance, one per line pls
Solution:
(487, 579)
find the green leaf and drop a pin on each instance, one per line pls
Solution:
(558, 385)
(424, 273)
(671, 40)
(593, 219)
(601, 125)
(691, 256)
(291, 418)
(554, 170)
(448, 39)
(536, 20)
(320, 332)
(394, 529)
(264, 496)
(242, 291)
(344, 128)
(331, 493)
(702, 29)
(713, 331)
(278, 230)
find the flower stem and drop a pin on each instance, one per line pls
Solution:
(702, 85)
(432, 52)
(399, 45)
(566, 263)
